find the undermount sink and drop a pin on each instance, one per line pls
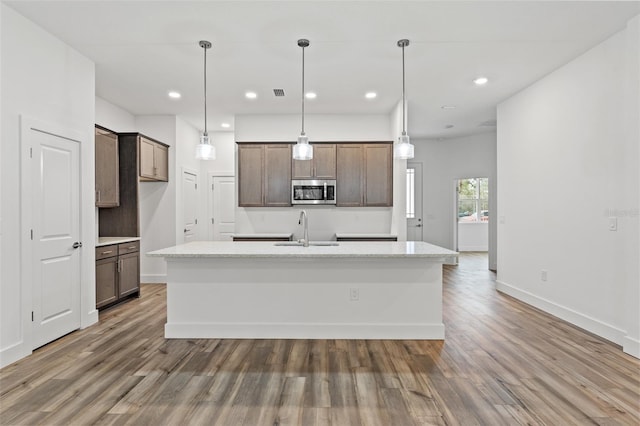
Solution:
(312, 243)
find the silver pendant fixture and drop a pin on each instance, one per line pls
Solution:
(302, 150)
(205, 150)
(403, 149)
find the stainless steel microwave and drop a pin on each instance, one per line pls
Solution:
(313, 191)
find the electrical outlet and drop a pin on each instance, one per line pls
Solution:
(613, 223)
(543, 275)
(354, 294)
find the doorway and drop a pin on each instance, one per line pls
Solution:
(471, 221)
(415, 224)
(190, 205)
(222, 207)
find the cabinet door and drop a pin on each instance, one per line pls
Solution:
(106, 281)
(324, 161)
(106, 159)
(146, 158)
(277, 175)
(302, 169)
(161, 162)
(378, 182)
(129, 274)
(250, 171)
(349, 168)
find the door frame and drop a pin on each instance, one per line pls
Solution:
(88, 312)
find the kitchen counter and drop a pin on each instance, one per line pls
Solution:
(105, 241)
(255, 290)
(365, 237)
(263, 236)
(347, 249)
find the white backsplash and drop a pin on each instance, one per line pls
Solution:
(324, 221)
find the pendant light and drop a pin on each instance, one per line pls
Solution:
(302, 150)
(403, 149)
(205, 150)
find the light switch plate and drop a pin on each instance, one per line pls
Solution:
(613, 223)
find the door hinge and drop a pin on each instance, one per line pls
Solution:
(196, 221)
(212, 187)
(196, 186)
(30, 152)
(32, 234)
(212, 221)
(31, 316)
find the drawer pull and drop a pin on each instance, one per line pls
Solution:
(107, 252)
(131, 247)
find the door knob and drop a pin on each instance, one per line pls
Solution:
(419, 225)
(186, 230)
(76, 245)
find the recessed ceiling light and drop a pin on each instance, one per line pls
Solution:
(225, 125)
(370, 95)
(448, 107)
(251, 95)
(310, 95)
(174, 95)
(481, 81)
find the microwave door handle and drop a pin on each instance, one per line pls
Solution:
(325, 191)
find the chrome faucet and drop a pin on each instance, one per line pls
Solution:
(304, 221)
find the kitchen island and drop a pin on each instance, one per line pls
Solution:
(354, 290)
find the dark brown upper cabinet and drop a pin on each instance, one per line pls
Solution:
(364, 175)
(106, 168)
(264, 175)
(322, 166)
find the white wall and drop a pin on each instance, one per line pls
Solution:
(567, 161)
(44, 79)
(113, 117)
(443, 162)
(324, 221)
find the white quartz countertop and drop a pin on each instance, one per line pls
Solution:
(221, 249)
(289, 235)
(345, 235)
(105, 241)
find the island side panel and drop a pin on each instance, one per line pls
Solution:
(304, 298)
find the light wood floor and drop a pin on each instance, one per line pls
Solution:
(502, 362)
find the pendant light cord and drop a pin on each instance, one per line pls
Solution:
(302, 90)
(404, 130)
(205, 90)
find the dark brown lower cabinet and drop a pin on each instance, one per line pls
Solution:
(117, 273)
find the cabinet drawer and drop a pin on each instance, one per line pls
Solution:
(106, 251)
(130, 247)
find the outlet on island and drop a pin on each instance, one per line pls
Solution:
(354, 294)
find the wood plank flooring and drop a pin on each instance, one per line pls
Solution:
(502, 363)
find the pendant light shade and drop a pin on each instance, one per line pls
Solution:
(403, 149)
(205, 150)
(302, 150)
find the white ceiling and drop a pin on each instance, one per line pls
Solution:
(143, 49)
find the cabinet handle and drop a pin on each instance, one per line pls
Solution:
(131, 248)
(98, 195)
(107, 252)
(119, 265)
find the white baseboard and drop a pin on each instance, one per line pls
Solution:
(631, 346)
(90, 319)
(13, 353)
(304, 331)
(154, 278)
(604, 330)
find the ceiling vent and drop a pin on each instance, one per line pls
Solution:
(488, 123)
(278, 92)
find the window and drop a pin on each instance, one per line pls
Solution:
(473, 200)
(411, 197)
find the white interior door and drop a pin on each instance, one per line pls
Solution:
(55, 182)
(223, 207)
(415, 224)
(190, 205)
